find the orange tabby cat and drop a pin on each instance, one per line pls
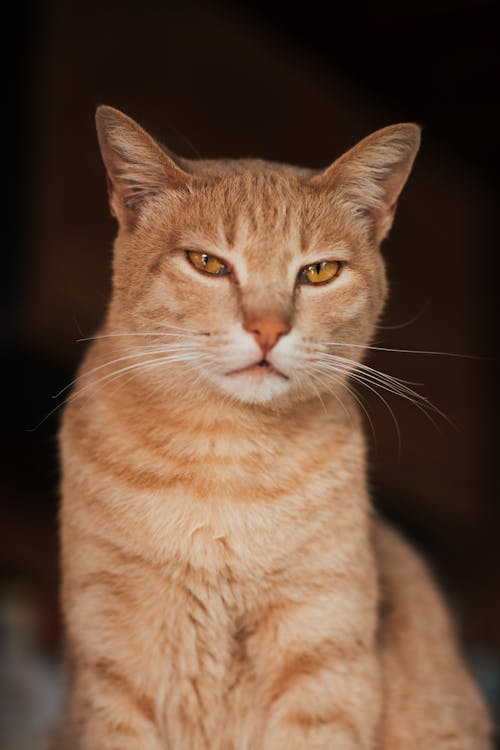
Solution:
(226, 584)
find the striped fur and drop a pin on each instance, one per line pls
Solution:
(226, 584)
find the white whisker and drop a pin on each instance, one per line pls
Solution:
(186, 356)
(408, 322)
(122, 335)
(321, 381)
(318, 393)
(181, 328)
(364, 381)
(344, 384)
(138, 365)
(368, 369)
(376, 378)
(367, 375)
(135, 353)
(402, 351)
(389, 381)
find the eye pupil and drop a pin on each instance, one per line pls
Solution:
(208, 263)
(319, 273)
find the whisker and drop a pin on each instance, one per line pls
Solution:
(139, 365)
(404, 351)
(121, 375)
(408, 322)
(356, 397)
(376, 377)
(321, 381)
(180, 328)
(317, 391)
(388, 383)
(135, 353)
(142, 367)
(367, 368)
(47, 416)
(372, 372)
(364, 381)
(422, 403)
(389, 408)
(114, 375)
(116, 335)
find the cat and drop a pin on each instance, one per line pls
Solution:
(226, 583)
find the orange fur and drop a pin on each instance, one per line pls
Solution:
(225, 582)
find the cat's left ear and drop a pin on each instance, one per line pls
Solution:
(138, 167)
(371, 175)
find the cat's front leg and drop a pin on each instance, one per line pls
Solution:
(325, 703)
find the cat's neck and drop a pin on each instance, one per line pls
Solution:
(177, 408)
(263, 479)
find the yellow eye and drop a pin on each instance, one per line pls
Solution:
(319, 273)
(208, 263)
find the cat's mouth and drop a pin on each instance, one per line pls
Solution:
(259, 369)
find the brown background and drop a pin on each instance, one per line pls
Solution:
(264, 80)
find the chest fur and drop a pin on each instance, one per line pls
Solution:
(197, 579)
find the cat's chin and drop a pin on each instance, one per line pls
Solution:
(254, 385)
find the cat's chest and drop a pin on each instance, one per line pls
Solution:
(202, 662)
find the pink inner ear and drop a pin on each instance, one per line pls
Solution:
(394, 184)
(372, 174)
(138, 168)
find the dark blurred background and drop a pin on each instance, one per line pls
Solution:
(297, 84)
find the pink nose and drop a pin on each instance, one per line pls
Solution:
(266, 331)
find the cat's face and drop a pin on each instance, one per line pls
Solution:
(258, 280)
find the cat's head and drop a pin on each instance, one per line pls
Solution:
(253, 279)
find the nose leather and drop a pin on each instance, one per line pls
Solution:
(266, 330)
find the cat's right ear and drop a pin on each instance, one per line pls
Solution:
(371, 176)
(138, 168)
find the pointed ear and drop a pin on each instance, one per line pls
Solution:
(138, 168)
(372, 174)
